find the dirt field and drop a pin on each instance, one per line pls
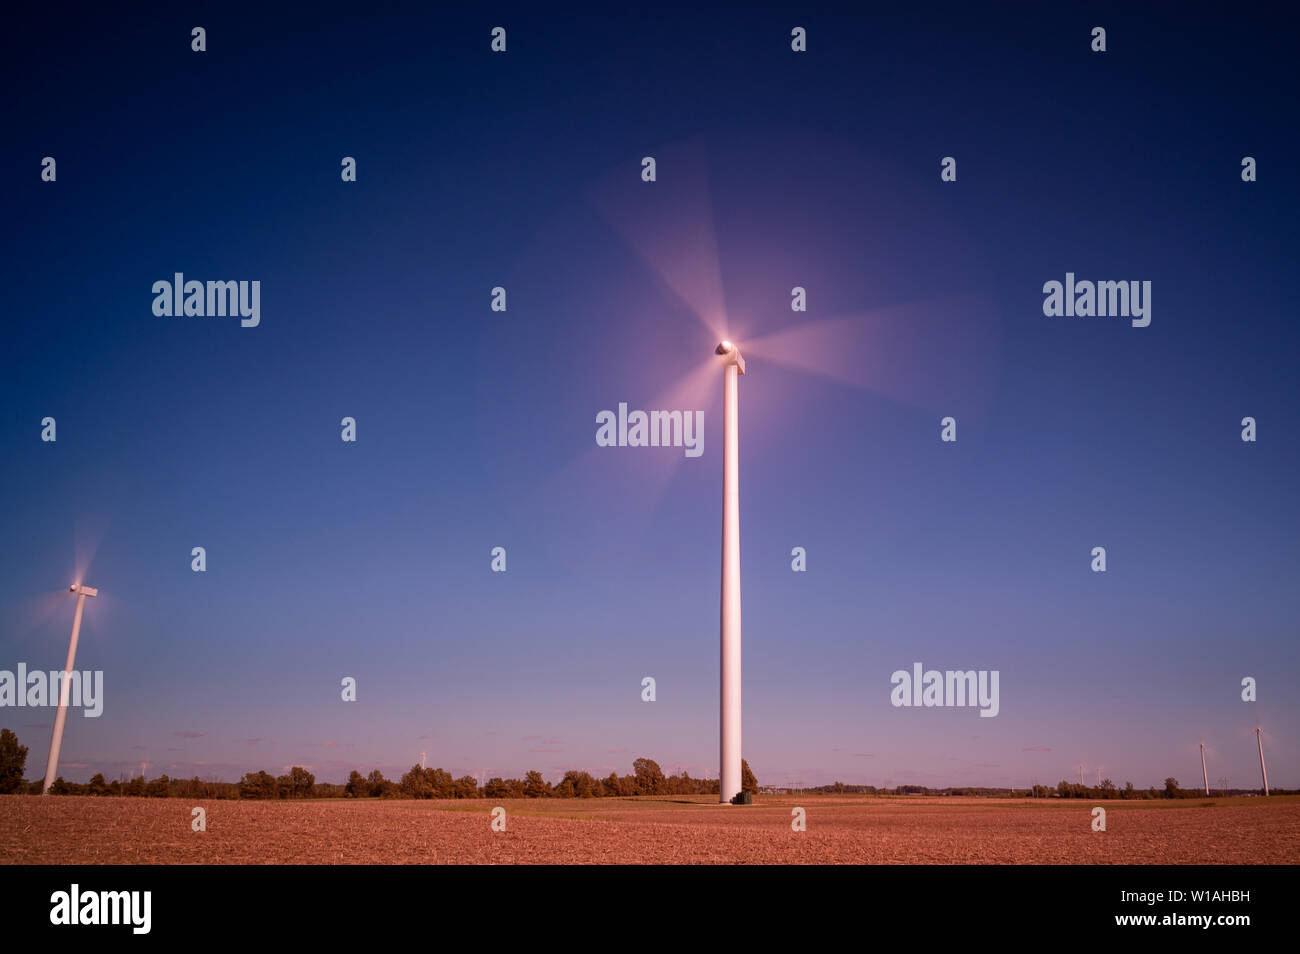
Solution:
(840, 829)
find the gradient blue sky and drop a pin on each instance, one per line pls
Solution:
(476, 429)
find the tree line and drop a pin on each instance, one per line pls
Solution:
(647, 778)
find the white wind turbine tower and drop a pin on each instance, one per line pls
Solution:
(934, 353)
(65, 686)
(1259, 737)
(1204, 777)
(729, 777)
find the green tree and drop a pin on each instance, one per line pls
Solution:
(97, 785)
(496, 788)
(649, 776)
(441, 784)
(158, 788)
(466, 787)
(415, 784)
(1171, 787)
(611, 787)
(256, 785)
(356, 786)
(303, 782)
(748, 783)
(535, 786)
(13, 762)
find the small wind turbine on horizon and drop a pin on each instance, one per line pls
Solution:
(1204, 776)
(1259, 737)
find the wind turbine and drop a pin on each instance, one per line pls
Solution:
(65, 685)
(1259, 737)
(1204, 776)
(936, 354)
(729, 717)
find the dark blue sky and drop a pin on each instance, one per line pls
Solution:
(476, 428)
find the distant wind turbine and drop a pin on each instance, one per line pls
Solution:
(1205, 777)
(1259, 737)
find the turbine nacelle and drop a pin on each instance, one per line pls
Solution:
(730, 355)
(82, 590)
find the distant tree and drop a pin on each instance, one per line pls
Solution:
(515, 788)
(136, 786)
(303, 782)
(576, 784)
(1128, 790)
(97, 785)
(60, 787)
(1171, 787)
(13, 761)
(649, 776)
(611, 787)
(496, 788)
(465, 787)
(356, 786)
(415, 784)
(535, 786)
(1107, 787)
(381, 787)
(256, 785)
(441, 784)
(748, 783)
(158, 788)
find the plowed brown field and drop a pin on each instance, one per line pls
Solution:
(841, 829)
